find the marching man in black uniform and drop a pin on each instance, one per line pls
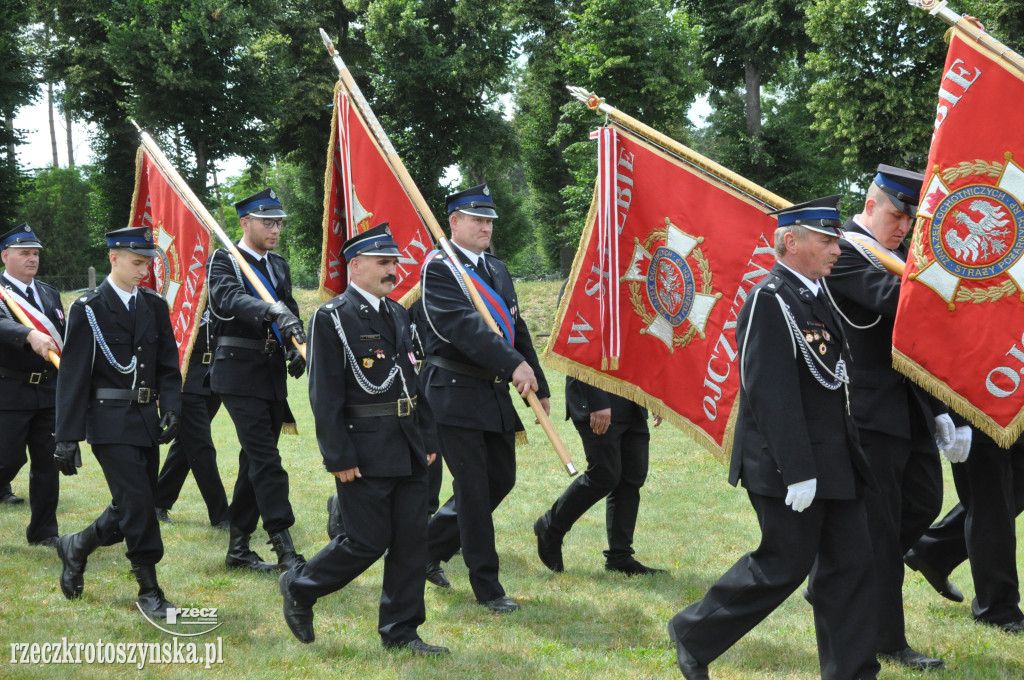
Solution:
(193, 449)
(797, 455)
(254, 351)
(898, 423)
(120, 358)
(376, 437)
(28, 380)
(466, 375)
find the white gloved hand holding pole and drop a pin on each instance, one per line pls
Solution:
(945, 431)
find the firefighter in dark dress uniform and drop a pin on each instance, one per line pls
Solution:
(796, 453)
(376, 437)
(120, 359)
(28, 381)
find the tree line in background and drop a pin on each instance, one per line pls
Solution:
(806, 97)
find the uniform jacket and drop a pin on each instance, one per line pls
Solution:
(882, 399)
(380, 446)
(238, 370)
(17, 355)
(84, 369)
(197, 377)
(790, 428)
(452, 328)
(581, 399)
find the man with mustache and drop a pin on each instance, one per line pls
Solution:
(376, 436)
(28, 380)
(796, 453)
(120, 359)
(254, 352)
(901, 427)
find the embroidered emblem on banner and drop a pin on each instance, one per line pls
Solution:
(167, 269)
(974, 230)
(670, 285)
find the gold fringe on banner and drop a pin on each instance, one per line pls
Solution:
(522, 439)
(1003, 436)
(325, 292)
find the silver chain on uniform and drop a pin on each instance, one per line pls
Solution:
(361, 378)
(101, 341)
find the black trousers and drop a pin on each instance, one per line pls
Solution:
(131, 473)
(907, 502)
(483, 467)
(261, 489)
(194, 450)
(435, 476)
(982, 528)
(32, 430)
(381, 514)
(834, 533)
(617, 463)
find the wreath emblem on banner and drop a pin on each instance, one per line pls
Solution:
(664, 290)
(167, 271)
(974, 230)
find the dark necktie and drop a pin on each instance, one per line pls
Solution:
(484, 271)
(131, 309)
(389, 318)
(31, 299)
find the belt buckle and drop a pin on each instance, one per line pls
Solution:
(498, 379)
(207, 358)
(270, 346)
(35, 378)
(408, 407)
(145, 395)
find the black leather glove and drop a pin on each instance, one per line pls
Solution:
(68, 457)
(289, 324)
(296, 364)
(168, 428)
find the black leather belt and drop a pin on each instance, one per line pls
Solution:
(143, 395)
(32, 378)
(268, 346)
(464, 369)
(400, 408)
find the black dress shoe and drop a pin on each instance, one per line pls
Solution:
(549, 549)
(911, 658)
(631, 567)
(691, 668)
(420, 647)
(49, 542)
(435, 574)
(10, 499)
(501, 605)
(163, 517)
(298, 617)
(940, 582)
(1009, 627)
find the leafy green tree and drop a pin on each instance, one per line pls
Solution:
(17, 87)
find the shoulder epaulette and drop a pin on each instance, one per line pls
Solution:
(334, 303)
(88, 296)
(150, 291)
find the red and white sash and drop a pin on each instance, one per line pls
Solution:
(40, 321)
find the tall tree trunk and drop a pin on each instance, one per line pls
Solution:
(67, 122)
(53, 130)
(216, 192)
(11, 146)
(200, 148)
(752, 80)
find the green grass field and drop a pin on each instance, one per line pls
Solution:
(584, 623)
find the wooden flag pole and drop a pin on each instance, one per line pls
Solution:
(188, 196)
(435, 229)
(25, 321)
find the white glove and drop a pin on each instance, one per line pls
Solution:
(801, 494)
(945, 431)
(961, 448)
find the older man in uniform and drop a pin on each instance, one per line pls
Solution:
(466, 375)
(898, 423)
(120, 359)
(796, 453)
(376, 437)
(28, 380)
(254, 352)
(193, 449)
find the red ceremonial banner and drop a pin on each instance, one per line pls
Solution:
(360, 191)
(178, 272)
(666, 260)
(959, 324)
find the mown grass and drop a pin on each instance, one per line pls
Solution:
(584, 623)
